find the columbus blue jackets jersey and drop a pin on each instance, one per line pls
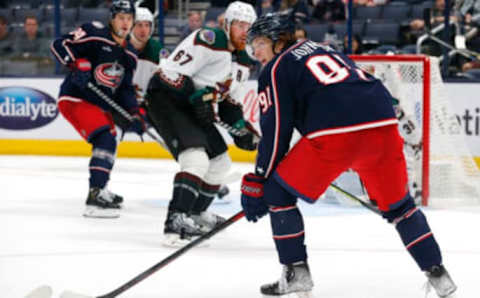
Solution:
(318, 91)
(113, 65)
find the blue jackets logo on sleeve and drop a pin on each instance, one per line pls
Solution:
(109, 75)
(25, 108)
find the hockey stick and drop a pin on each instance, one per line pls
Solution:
(122, 112)
(137, 279)
(357, 199)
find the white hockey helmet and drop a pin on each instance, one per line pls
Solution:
(238, 11)
(144, 14)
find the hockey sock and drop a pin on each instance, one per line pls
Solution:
(205, 197)
(288, 233)
(416, 235)
(286, 221)
(185, 192)
(103, 157)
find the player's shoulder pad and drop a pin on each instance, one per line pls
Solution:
(243, 58)
(213, 38)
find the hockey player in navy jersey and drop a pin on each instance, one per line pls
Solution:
(102, 56)
(346, 120)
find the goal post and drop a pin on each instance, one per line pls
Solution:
(445, 171)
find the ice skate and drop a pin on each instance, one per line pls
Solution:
(180, 229)
(117, 199)
(295, 279)
(440, 280)
(100, 205)
(207, 220)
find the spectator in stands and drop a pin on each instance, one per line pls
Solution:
(6, 38)
(437, 18)
(300, 34)
(369, 3)
(470, 13)
(328, 10)
(470, 9)
(357, 47)
(195, 21)
(417, 28)
(30, 43)
(221, 20)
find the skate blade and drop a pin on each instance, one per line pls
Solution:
(307, 294)
(41, 292)
(174, 241)
(222, 201)
(95, 212)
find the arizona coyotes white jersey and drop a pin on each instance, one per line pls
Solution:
(147, 64)
(205, 58)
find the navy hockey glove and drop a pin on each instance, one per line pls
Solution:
(202, 101)
(249, 140)
(138, 124)
(252, 197)
(81, 72)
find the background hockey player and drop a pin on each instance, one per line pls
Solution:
(346, 120)
(412, 138)
(103, 56)
(204, 70)
(149, 52)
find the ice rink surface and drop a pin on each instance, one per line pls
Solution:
(353, 253)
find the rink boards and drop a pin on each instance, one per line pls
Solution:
(30, 122)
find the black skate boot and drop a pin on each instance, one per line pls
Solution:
(295, 279)
(117, 199)
(100, 205)
(180, 229)
(440, 280)
(207, 220)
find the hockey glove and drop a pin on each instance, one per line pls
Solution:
(202, 101)
(81, 72)
(138, 124)
(250, 138)
(252, 197)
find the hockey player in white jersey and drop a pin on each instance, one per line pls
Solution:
(412, 147)
(185, 96)
(150, 51)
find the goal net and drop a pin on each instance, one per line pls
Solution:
(441, 167)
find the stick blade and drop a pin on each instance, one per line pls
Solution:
(70, 294)
(41, 292)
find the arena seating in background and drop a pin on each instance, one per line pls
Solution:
(86, 15)
(213, 13)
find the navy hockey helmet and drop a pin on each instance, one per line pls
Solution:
(272, 25)
(122, 6)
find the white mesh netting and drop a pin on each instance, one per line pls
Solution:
(453, 178)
